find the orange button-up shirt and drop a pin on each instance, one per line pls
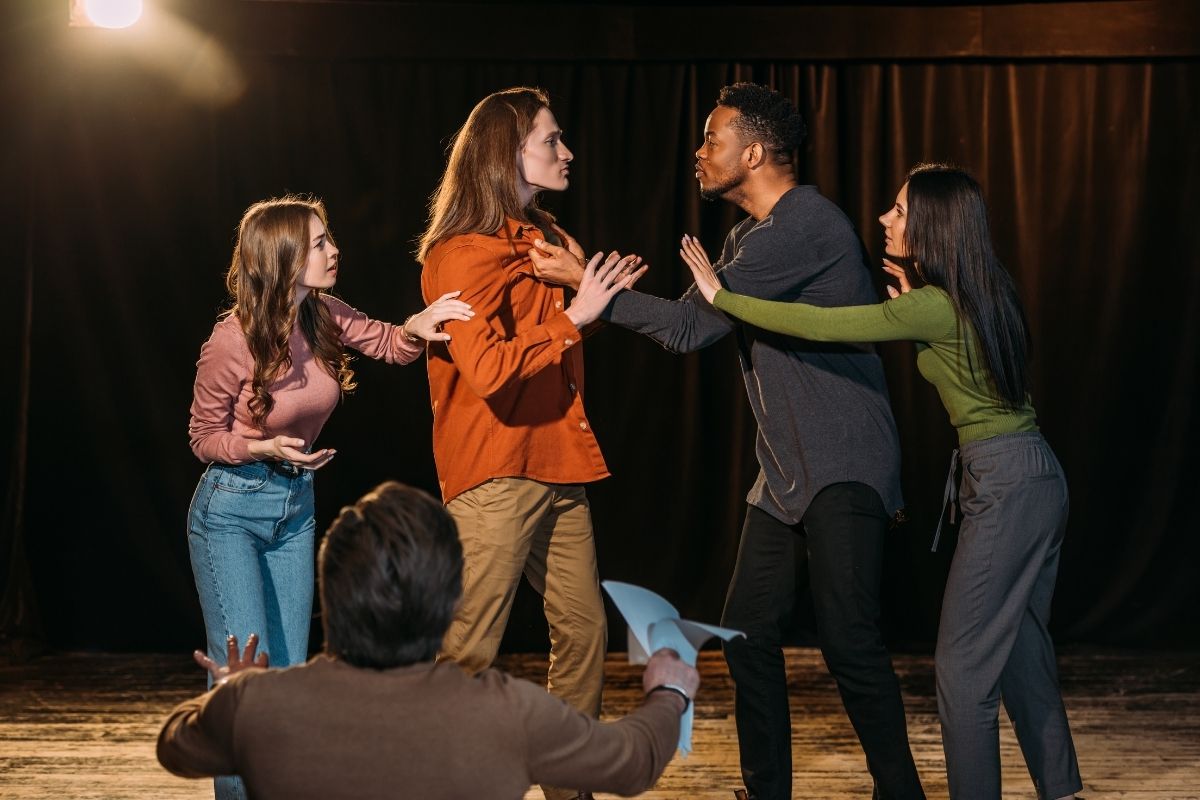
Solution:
(507, 389)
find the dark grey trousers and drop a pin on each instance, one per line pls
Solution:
(992, 639)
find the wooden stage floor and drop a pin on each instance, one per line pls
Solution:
(84, 726)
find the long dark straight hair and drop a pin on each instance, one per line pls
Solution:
(949, 244)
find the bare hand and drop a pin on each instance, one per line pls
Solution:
(897, 272)
(600, 283)
(697, 260)
(665, 667)
(286, 448)
(572, 245)
(427, 325)
(233, 663)
(554, 264)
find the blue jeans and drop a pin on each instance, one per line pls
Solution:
(251, 536)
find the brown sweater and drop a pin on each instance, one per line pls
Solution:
(328, 729)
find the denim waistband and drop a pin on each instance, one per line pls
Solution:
(283, 469)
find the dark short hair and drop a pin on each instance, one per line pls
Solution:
(765, 116)
(390, 577)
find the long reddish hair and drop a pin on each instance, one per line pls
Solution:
(268, 260)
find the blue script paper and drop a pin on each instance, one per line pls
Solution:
(654, 624)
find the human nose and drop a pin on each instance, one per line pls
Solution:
(565, 153)
(884, 219)
(700, 151)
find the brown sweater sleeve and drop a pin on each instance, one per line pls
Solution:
(197, 739)
(567, 748)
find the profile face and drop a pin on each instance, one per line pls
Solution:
(719, 165)
(544, 160)
(320, 270)
(893, 222)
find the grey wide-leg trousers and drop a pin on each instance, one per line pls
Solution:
(992, 638)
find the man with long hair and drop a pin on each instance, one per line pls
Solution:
(512, 443)
(375, 717)
(828, 451)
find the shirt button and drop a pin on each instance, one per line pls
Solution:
(568, 342)
(558, 304)
(583, 426)
(571, 388)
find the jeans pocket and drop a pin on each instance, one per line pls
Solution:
(240, 478)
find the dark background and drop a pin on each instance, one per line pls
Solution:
(129, 156)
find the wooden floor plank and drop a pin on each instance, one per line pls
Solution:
(83, 726)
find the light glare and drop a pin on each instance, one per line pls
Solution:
(113, 13)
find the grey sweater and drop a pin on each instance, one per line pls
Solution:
(823, 411)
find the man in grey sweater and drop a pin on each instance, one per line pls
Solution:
(827, 445)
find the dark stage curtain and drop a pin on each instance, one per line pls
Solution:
(130, 191)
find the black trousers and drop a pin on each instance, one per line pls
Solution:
(838, 546)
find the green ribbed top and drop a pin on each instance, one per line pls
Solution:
(945, 353)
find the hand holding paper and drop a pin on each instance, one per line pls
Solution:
(654, 624)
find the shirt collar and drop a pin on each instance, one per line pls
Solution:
(517, 228)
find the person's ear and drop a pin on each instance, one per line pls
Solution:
(754, 155)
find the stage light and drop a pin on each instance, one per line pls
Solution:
(105, 13)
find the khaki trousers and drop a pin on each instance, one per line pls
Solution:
(514, 526)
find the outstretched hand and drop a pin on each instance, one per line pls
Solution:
(427, 324)
(897, 272)
(564, 266)
(697, 260)
(600, 283)
(234, 662)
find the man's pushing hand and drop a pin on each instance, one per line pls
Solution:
(560, 265)
(697, 261)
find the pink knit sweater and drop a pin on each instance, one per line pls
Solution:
(305, 395)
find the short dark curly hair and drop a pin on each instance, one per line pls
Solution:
(765, 116)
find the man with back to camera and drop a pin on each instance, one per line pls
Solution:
(827, 446)
(374, 716)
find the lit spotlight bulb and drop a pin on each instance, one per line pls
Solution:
(113, 13)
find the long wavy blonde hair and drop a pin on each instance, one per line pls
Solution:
(478, 190)
(268, 260)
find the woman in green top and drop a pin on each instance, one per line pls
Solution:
(972, 344)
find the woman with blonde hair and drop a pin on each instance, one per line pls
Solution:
(268, 378)
(511, 440)
(972, 344)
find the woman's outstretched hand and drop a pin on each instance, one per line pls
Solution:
(233, 662)
(600, 283)
(697, 260)
(897, 272)
(427, 325)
